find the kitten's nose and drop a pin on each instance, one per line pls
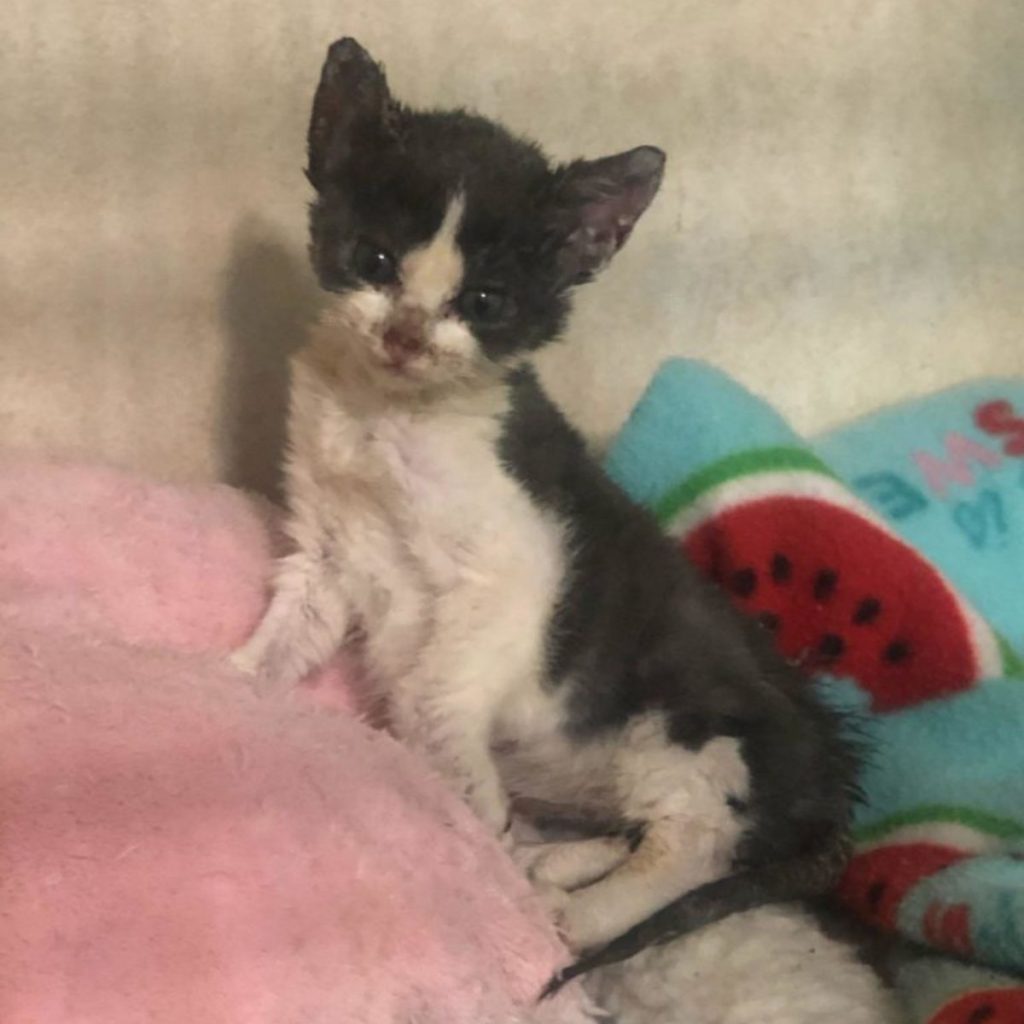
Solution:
(403, 340)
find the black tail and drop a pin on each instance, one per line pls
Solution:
(805, 876)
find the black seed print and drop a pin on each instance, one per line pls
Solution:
(782, 568)
(769, 620)
(825, 584)
(867, 611)
(744, 582)
(897, 651)
(876, 893)
(831, 646)
(982, 1013)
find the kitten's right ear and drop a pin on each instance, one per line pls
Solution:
(597, 204)
(353, 93)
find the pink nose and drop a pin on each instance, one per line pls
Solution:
(402, 341)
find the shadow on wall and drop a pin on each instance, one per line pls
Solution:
(269, 299)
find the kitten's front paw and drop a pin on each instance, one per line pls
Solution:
(261, 674)
(491, 807)
(583, 924)
(554, 900)
(509, 842)
(242, 660)
(572, 864)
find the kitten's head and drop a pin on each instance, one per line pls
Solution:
(449, 244)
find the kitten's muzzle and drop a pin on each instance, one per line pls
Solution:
(404, 339)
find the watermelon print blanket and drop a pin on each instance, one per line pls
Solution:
(887, 559)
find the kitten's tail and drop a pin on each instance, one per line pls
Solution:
(805, 876)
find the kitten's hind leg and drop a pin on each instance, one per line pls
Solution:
(574, 863)
(655, 874)
(304, 625)
(690, 830)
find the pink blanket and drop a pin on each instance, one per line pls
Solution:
(174, 849)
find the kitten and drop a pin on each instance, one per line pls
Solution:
(532, 630)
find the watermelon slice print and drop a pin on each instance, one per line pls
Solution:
(840, 591)
(877, 880)
(893, 856)
(986, 1006)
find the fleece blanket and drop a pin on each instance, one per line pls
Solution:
(174, 849)
(886, 559)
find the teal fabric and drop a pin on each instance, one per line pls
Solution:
(965, 753)
(691, 416)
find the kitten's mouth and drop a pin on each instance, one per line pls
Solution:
(400, 352)
(401, 365)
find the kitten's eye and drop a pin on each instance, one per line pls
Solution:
(373, 265)
(481, 306)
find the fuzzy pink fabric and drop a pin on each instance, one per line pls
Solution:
(175, 849)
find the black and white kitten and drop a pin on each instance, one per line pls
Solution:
(533, 631)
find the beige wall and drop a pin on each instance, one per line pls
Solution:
(842, 222)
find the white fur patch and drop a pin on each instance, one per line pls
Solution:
(773, 965)
(451, 338)
(350, 325)
(432, 273)
(368, 308)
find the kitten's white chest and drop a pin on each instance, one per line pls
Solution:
(464, 516)
(450, 566)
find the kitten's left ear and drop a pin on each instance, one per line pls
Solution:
(597, 205)
(352, 93)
